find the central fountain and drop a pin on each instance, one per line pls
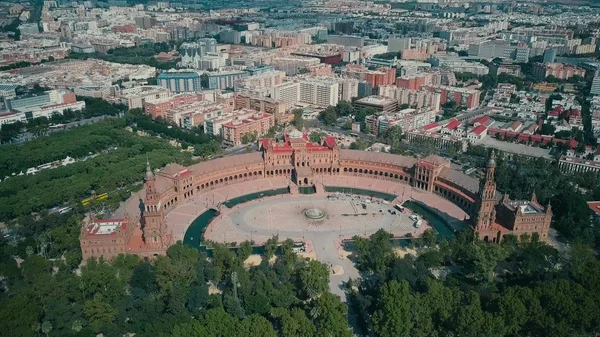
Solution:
(314, 213)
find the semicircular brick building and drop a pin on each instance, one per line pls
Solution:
(297, 162)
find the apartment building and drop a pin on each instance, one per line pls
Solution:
(558, 70)
(321, 92)
(413, 98)
(214, 125)
(195, 114)
(348, 89)
(266, 79)
(407, 119)
(159, 107)
(180, 81)
(261, 104)
(258, 123)
(224, 79)
(468, 98)
(287, 92)
(379, 77)
(135, 97)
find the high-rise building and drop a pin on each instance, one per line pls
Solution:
(287, 92)
(224, 79)
(230, 36)
(322, 92)
(348, 89)
(364, 89)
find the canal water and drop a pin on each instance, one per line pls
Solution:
(432, 218)
(248, 197)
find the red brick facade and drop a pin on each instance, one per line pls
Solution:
(496, 219)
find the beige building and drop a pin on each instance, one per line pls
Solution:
(322, 92)
(258, 124)
(287, 92)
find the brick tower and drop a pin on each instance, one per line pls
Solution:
(154, 226)
(486, 211)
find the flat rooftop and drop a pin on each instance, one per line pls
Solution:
(375, 100)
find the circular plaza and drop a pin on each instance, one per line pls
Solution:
(342, 215)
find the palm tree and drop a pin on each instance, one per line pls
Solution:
(46, 327)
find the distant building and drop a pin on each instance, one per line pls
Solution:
(549, 55)
(379, 103)
(345, 27)
(346, 40)
(509, 69)
(398, 44)
(230, 36)
(257, 124)
(287, 92)
(225, 79)
(595, 90)
(558, 70)
(29, 28)
(82, 48)
(500, 48)
(136, 97)
(145, 22)
(379, 77)
(262, 104)
(159, 108)
(468, 98)
(322, 92)
(364, 89)
(407, 119)
(180, 81)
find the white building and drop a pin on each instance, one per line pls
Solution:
(136, 97)
(287, 92)
(322, 92)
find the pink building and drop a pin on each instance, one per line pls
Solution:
(159, 108)
(379, 77)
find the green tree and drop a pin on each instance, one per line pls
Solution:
(315, 137)
(328, 116)
(298, 119)
(329, 316)
(393, 316)
(293, 323)
(255, 325)
(314, 279)
(98, 313)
